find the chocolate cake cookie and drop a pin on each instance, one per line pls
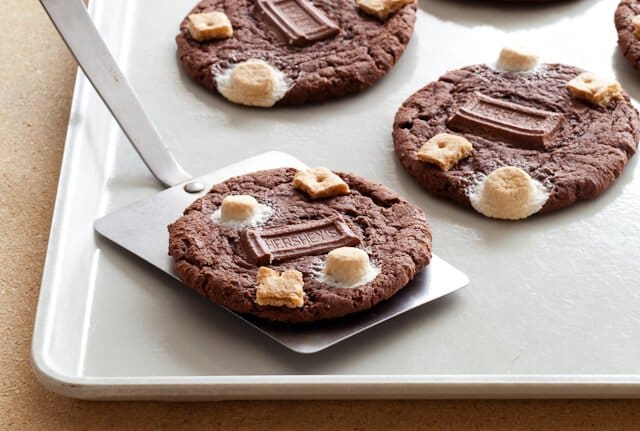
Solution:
(512, 144)
(627, 21)
(292, 52)
(299, 246)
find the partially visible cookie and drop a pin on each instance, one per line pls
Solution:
(292, 52)
(627, 21)
(285, 256)
(538, 140)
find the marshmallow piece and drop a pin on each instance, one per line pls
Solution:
(209, 25)
(635, 23)
(253, 83)
(319, 183)
(382, 8)
(592, 89)
(445, 150)
(238, 211)
(517, 59)
(280, 290)
(508, 193)
(239, 208)
(347, 265)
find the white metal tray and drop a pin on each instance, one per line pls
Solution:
(552, 308)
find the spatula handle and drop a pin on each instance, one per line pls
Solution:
(72, 21)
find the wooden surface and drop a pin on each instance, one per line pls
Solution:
(36, 79)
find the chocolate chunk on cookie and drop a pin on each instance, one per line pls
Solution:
(539, 140)
(293, 52)
(286, 256)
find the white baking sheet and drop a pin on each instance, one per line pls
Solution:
(553, 304)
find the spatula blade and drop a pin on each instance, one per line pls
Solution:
(141, 228)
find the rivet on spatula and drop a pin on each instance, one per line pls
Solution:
(193, 187)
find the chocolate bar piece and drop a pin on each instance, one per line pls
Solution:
(288, 242)
(299, 21)
(515, 124)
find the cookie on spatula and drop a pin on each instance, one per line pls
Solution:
(299, 246)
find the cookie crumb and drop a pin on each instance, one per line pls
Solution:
(319, 183)
(590, 88)
(445, 150)
(279, 290)
(209, 26)
(382, 9)
(635, 23)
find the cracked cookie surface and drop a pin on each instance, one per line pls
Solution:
(363, 51)
(210, 259)
(585, 155)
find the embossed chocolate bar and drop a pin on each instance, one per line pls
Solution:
(298, 20)
(287, 242)
(518, 125)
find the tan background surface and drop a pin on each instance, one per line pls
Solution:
(36, 79)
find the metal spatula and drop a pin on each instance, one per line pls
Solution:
(141, 228)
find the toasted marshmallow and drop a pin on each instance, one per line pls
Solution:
(253, 83)
(508, 193)
(516, 59)
(241, 210)
(349, 267)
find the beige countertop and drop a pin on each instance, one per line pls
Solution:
(36, 80)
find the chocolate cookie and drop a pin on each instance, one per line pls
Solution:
(355, 244)
(512, 144)
(292, 52)
(628, 27)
